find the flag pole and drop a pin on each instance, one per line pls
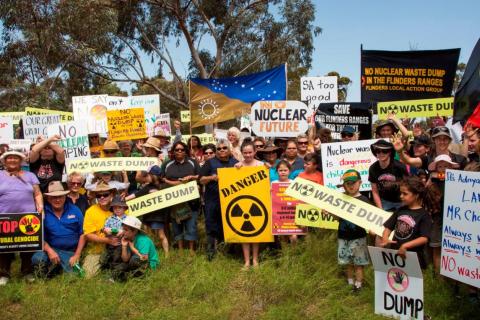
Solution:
(286, 81)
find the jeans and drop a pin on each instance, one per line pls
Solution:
(213, 219)
(187, 229)
(390, 206)
(44, 267)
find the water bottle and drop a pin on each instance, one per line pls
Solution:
(114, 231)
(78, 270)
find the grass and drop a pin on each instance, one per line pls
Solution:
(300, 283)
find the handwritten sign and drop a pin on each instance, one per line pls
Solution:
(111, 164)
(151, 105)
(283, 211)
(14, 115)
(93, 109)
(126, 124)
(163, 122)
(335, 116)
(340, 156)
(205, 138)
(185, 116)
(461, 233)
(74, 139)
(316, 90)
(279, 118)
(311, 216)
(64, 115)
(398, 284)
(6, 129)
(37, 125)
(416, 108)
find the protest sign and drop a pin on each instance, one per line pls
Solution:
(398, 284)
(126, 124)
(185, 116)
(311, 216)
(335, 116)
(151, 105)
(37, 125)
(316, 90)
(111, 164)
(93, 109)
(205, 138)
(338, 157)
(283, 211)
(246, 204)
(279, 118)
(461, 233)
(163, 122)
(20, 145)
(21, 232)
(118, 103)
(163, 199)
(6, 129)
(64, 115)
(406, 75)
(14, 115)
(416, 108)
(356, 211)
(74, 139)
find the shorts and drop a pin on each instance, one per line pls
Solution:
(353, 252)
(156, 225)
(435, 240)
(187, 229)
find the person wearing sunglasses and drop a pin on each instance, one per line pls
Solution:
(348, 133)
(208, 152)
(385, 175)
(93, 223)
(302, 145)
(75, 182)
(209, 178)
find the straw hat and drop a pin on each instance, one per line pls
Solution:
(12, 153)
(110, 145)
(102, 186)
(153, 143)
(55, 189)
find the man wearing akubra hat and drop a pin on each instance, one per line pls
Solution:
(93, 224)
(385, 175)
(63, 232)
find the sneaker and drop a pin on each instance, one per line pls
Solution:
(3, 281)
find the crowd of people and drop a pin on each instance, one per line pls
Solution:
(87, 226)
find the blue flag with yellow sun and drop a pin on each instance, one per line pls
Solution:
(217, 100)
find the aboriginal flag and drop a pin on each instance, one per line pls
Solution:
(467, 96)
(217, 100)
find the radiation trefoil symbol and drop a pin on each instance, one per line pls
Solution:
(247, 216)
(208, 108)
(306, 190)
(313, 215)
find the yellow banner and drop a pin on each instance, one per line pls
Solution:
(110, 164)
(185, 116)
(163, 199)
(416, 108)
(16, 116)
(126, 124)
(246, 204)
(358, 212)
(64, 115)
(311, 216)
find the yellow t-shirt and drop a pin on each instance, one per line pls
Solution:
(94, 222)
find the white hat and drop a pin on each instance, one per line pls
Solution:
(133, 222)
(443, 157)
(12, 153)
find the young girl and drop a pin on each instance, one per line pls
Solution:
(411, 222)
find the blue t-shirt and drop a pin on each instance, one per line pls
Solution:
(63, 233)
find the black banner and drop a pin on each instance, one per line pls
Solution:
(21, 232)
(335, 116)
(407, 75)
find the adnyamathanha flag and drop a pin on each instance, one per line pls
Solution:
(217, 100)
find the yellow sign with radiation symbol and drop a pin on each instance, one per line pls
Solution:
(246, 204)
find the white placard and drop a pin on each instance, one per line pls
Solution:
(92, 109)
(163, 122)
(34, 126)
(316, 90)
(151, 104)
(74, 139)
(398, 284)
(461, 227)
(338, 157)
(6, 129)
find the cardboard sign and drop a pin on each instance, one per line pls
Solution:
(21, 232)
(316, 90)
(74, 139)
(6, 129)
(34, 126)
(93, 109)
(185, 116)
(398, 284)
(126, 124)
(338, 157)
(64, 115)
(279, 118)
(416, 108)
(461, 234)
(163, 198)
(245, 201)
(151, 105)
(356, 211)
(283, 211)
(311, 216)
(111, 164)
(14, 115)
(163, 122)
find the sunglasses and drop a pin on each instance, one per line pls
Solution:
(75, 183)
(440, 129)
(102, 195)
(211, 152)
(347, 135)
(109, 151)
(302, 142)
(259, 146)
(179, 150)
(222, 148)
(384, 151)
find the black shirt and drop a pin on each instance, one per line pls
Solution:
(350, 231)
(47, 171)
(388, 179)
(209, 169)
(174, 170)
(155, 216)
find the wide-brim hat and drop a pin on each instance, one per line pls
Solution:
(381, 144)
(152, 143)
(118, 202)
(12, 153)
(270, 147)
(384, 123)
(440, 131)
(442, 158)
(102, 186)
(55, 189)
(110, 145)
(133, 222)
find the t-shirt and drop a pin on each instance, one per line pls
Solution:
(63, 233)
(409, 225)
(47, 171)
(348, 230)
(387, 179)
(316, 177)
(16, 193)
(209, 169)
(94, 221)
(145, 245)
(174, 170)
